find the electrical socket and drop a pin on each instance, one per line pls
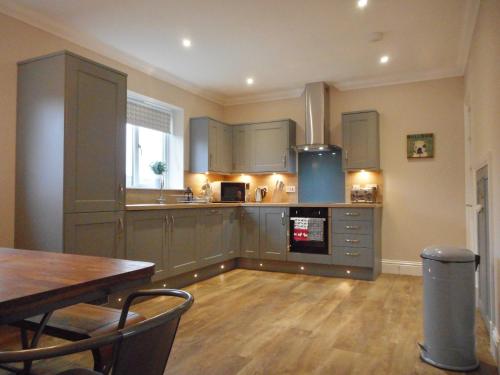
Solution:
(290, 189)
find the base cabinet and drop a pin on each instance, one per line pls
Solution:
(183, 241)
(95, 233)
(250, 228)
(273, 233)
(211, 235)
(232, 232)
(147, 240)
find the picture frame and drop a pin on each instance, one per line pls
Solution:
(420, 146)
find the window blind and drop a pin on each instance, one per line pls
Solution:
(149, 116)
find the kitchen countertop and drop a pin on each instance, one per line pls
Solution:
(156, 206)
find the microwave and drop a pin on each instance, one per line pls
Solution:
(225, 191)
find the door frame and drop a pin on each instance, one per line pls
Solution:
(471, 219)
(492, 329)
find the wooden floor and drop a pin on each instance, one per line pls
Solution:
(254, 322)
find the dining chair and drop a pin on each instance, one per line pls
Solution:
(141, 348)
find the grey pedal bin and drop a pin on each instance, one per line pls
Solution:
(449, 308)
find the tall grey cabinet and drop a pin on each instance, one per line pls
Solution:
(70, 161)
(360, 134)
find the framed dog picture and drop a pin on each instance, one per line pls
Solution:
(420, 146)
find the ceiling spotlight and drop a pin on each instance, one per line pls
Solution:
(384, 59)
(362, 3)
(186, 42)
(249, 81)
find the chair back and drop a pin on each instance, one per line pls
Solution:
(145, 346)
(141, 348)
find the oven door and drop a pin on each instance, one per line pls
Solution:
(309, 230)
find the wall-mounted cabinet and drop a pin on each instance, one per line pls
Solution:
(361, 145)
(247, 148)
(70, 153)
(210, 146)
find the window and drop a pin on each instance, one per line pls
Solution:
(149, 128)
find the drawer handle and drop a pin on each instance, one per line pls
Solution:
(213, 211)
(352, 254)
(351, 241)
(352, 227)
(352, 214)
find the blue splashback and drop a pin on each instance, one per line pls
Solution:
(321, 178)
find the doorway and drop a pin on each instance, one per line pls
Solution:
(483, 240)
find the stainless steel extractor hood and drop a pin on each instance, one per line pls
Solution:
(317, 118)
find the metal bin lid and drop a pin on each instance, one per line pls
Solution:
(448, 254)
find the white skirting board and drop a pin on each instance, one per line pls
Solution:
(402, 267)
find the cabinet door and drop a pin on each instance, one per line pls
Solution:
(273, 233)
(211, 236)
(225, 148)
(213, 145)
(147, 240)
(231, 229)
(94, 154)
(250, 232)
(361, 140)
(97, 234)
(270, 147)
(242, 148)
(183, 241)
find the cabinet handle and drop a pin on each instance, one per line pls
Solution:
(284, 160)
(120, 224)
(283, 218)
(210, 162)
(214, 211)
(352, 227)
(346, 155)
(352, 254)
(352, 214)
(351, 241)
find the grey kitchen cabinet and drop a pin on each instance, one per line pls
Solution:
(183, 241)
(95, 234)
(147, 239)
(243, 157)
(211, 147)
(250, 229)
(70, 151)
(361, 144)
(211, 235)
(356, 234)
(232, 232)
(243, 148)
(272, 144)
(273, 232)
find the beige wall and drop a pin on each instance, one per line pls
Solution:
(20, 41)
(482, 95)
(424, 200)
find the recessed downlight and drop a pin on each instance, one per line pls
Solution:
(384, 59)
(250, 81)
(186, 42)
(362, 3)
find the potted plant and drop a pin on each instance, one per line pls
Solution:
(159, 168)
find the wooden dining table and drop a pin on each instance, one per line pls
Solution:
(39, 282)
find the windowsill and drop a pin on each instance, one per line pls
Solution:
(145, 189)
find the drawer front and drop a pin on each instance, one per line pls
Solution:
(352, 240)
(358, 257)
(348, 227)
(352, 214)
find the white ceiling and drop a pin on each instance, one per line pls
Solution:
(282, 44)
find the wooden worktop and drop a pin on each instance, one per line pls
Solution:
(155, 206)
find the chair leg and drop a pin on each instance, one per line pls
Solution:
(34, 341)
(98, 365)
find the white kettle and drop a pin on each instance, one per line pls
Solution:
(260, 194)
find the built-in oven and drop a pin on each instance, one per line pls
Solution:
(309, 230)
